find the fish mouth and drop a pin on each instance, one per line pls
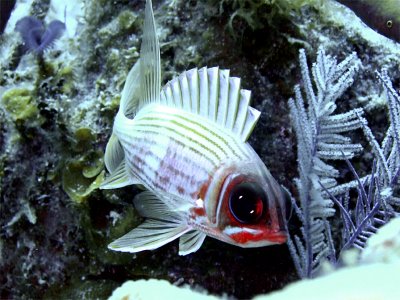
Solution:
(271, 239)
(250, 238)
(278, 237)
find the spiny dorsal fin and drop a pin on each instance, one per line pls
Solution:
(150, 67)
(211, 93)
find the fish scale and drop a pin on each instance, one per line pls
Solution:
(156, 144)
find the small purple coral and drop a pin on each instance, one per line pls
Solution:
(36, 37)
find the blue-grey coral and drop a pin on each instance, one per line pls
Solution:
(35, 36)
(320, 138)
(387, 153)
(378, 193)
(360, 223)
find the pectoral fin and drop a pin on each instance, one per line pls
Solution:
(163, 225)
(191, 242)
(150, 235)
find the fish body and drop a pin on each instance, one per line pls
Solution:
(186, 144)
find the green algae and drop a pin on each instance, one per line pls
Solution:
(83, 139)
(261, 13)
(66, 75)
(93, 164)
(76, 184)
(124, 23)
(83, 173)
(21, 104)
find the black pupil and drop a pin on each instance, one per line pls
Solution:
(247, 202)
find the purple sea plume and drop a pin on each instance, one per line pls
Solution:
(36, 37)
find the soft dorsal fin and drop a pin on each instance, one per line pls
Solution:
(211, 93)
(150, 66)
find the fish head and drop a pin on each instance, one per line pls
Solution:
(245, 206)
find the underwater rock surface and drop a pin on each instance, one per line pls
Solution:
(380, 259)
(152, 288)
(56, 113)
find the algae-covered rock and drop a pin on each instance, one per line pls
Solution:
(69, 98)
(21, 104)
(84, 173)
(83, 288)
(375, 276)
(76, 182)
(122, 24)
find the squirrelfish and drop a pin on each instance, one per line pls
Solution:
(186, 144)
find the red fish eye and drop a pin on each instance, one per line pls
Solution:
(247, 202)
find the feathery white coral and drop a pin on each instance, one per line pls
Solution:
(320, 138)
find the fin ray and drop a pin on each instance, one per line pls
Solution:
(213, 87)
(150, 206)
(191, 242)
(130, 96)
(149, 235)
(114, 153)
(118, 178)
(234, 96)
(252, 117)
(211, 93)
(203, 91)
(223, 99)
(150, 66)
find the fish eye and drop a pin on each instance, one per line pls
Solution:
(247, 202)
(389, 23)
